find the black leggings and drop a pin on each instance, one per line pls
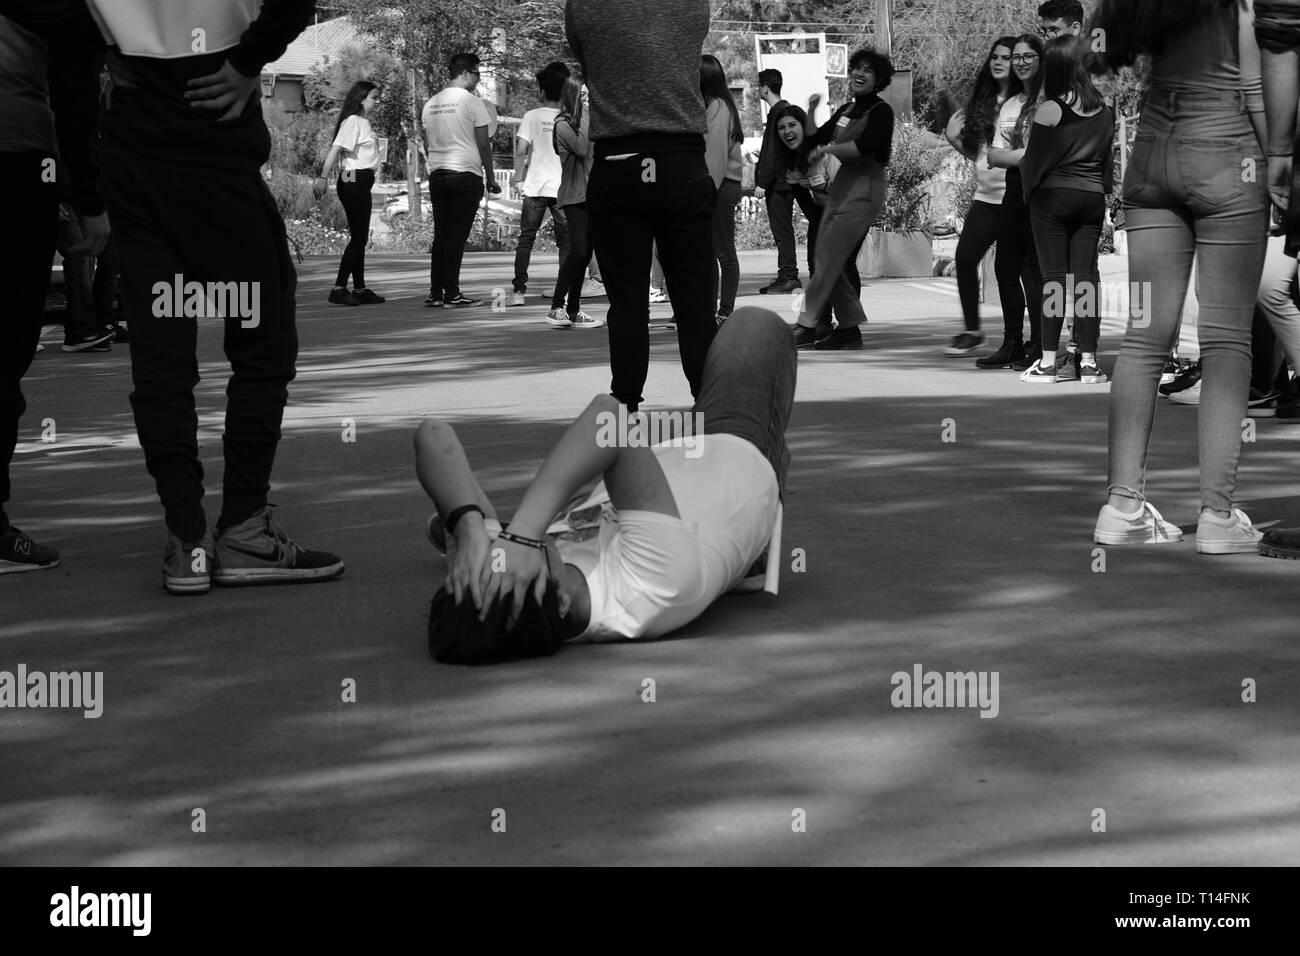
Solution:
(573, 270)
(1017, 257)
(355, 197)
(978, 234)
(1067, 231)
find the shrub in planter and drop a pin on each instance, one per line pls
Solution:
(900, 244)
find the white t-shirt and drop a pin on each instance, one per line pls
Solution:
(649, 574)
(544, 166)
(360, 143)
(991, 184)
(450, 118)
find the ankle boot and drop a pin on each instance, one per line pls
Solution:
(1008, 352)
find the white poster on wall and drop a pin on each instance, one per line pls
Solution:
(801, 58)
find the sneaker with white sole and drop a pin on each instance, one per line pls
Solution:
(1232, 535)
(258, 551)
(1144, 526)
(517, 298)
(584, 321)
(558, 319)
(657, 296)
(1040, 374)
(20, 553)
(1091, 374)
(1188, 396)
(187, 568)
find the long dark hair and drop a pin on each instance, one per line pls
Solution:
(713, 84)
(1129, 28)
(352, 103)
(982, 105)
(1064, 72)
(1033, 90)
(793, 158)
(571, 100)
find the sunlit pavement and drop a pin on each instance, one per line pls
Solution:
(942, 516)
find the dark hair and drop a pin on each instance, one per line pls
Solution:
(456, 636)
(1064, 72)
(571, 100)
(793, 158)
(462, 63)
(982, 105)
(1129, 28)
(879, 63)
(771, 79)
(1033, 91)
(352, 103)
(560, 67)
(1071, 11)
(713, 84)
(551, 83)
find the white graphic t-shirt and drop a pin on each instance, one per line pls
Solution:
(544, 166)
(450, 118)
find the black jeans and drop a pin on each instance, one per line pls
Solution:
(724, 246)
(780, 217)
(530, 220)
(1067, 231)
(978, 234)
(210, 225)
(455, 198)
(27, 245)
(573, 270)
(1017, 255)
(668, 198)
(354, 194)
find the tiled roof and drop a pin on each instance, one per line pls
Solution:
(308, 52)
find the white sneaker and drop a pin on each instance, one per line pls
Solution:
(592, 288)
(584, 321)
(657, 296)
(1144, 526)
(1232, 535)
(517, 298)
(558, 319)
(1188, 396)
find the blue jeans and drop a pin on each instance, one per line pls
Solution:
(748, 385)
(1185, 195)
(530, 220)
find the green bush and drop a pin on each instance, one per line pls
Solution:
(308, 237)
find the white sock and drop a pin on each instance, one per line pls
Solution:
(1048, 360)
(1089, 358)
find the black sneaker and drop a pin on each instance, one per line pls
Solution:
(780, 287)
(458, 301)
(433, 302)
(20, 553)
(1067, 367)
(1263, 404)
(1170, 371)
(1281, 543)
(965, 343)
(343, 297)
(1188, 376)
(806, 338)
(1010, 351)
(120, 334)
(258, 551)
(366, 297)
(850, 338)
(101, 341)
(1032, 353)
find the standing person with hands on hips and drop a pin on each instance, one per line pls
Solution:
(356, 150)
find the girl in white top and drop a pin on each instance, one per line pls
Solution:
(356, 151)
(971, 132)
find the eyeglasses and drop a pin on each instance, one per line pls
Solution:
(1024, 58)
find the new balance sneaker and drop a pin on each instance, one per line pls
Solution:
(367, 297)
(343, 297)
(1090, 374)
(780, 287)
(965, 343)
(101, 341)
(806, 338)
(657, 296)
(1281, 543)
(20, 553)
(187, 568)
(1232, 535)
(258, 551)
(517, 298)
(1186, 376)
(1007, 354)
(841, 338)
(1263, 404)
(433, 302)
(458, 301)
(1039, 374)
(754, 578)
(1144, 526)
(584, 321)
(1188, 396)
(1033, 352)
(558, 319)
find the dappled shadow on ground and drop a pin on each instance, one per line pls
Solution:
(1119, 689)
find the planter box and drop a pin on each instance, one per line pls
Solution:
(896, 255)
